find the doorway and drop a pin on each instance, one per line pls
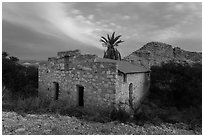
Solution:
(80, 95)
(56, 90)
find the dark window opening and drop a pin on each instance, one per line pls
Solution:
(80, 95)
(124, 78)
(56, 90)
(130, 94)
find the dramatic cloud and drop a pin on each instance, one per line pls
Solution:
(45, 28)
(52, 19)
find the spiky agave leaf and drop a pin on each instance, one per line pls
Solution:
(112, 39)
(104, 39)
(108, 37)
(120, 41)
(116, 38)
(113, 35)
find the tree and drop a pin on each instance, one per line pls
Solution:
(14, 59)
(111, 43)
(4, 54)
(19, 80)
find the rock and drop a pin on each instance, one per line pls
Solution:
(10, 114)
(20, 130)
(45, 124)
(23, 119)
(47, 131)
(72, 125)
(31, 115)
(154, 53)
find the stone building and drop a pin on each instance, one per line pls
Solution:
(93, 83)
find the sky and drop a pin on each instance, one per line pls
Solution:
(39, 30)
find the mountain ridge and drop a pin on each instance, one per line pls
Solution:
(156, 53)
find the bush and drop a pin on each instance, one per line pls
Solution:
(31, 104)
(120, 115)
(45, 105)
(99, 116)
(174, 84)
(21, 81)
(176, 89)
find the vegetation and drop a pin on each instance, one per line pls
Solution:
(18, 80)
(111, 43)
(178, 85)
(175, 95)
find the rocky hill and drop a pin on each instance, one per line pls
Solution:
(154, 53)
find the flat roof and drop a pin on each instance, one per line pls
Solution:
(125, 66)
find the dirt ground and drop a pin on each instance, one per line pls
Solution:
(47, 124)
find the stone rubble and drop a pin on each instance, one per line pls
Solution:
(47, 124)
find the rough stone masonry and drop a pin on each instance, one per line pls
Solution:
(93, 83)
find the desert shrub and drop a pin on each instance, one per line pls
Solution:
(146, 113)
(176, 89)
(23, 104)
(31, 105)
(192, 114)
(73, 111)
(42, 104)
(175, 84)
(120, 115)
(54, 106)
(97, 116)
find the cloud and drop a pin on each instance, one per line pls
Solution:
(27, 44)
(108, 4)
(112, 24)
(165, 34)
(90, 17)
(179, 7)
(75, 11)
(126, 17)
(52, 19)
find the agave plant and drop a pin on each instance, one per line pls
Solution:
(111, 43)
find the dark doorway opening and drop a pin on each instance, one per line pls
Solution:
(80, 95)
(56, 90)
(130, 94)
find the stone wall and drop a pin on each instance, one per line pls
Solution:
(104, 86)
(69, 53)
(141, 84)
(97, 78)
